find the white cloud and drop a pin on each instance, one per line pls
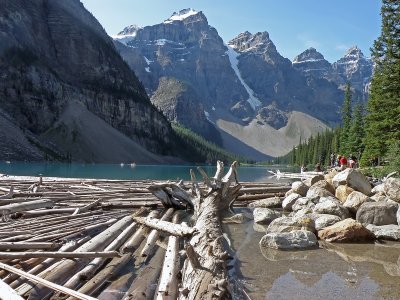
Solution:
(342, 47)
(308, 41)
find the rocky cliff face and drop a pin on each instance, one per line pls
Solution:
(186, 48)
(312, 63)
(353, 68)
(356, 69)
(179, 102)
(241, 85)
(55, 53)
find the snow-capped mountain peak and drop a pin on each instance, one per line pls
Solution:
(127, 34)
(181, 15)
(309, 55)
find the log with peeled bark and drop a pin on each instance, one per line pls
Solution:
(62, 271)
(92, 267)
(46, 283)
(204, 273)
(95, 283)
(168, 284)
(27, 205)
(70, 246)
(154, 235)
(27, 245)
(46, 254)
(168, 227)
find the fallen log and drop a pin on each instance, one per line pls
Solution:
(168, 284)
(168, 227)
(204, 273)
(61, 255)
(93, 266)
(142, 288)
(9, 195)
(27, 245)
(46, 283)
(259, 196)
(95, 283)
(48, 262)
(80, 210)
(28, 205)
(59, 273)
(154, 234)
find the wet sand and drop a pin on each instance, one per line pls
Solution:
(335, 271)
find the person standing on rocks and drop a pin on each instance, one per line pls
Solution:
(333, 160)
(343, 162)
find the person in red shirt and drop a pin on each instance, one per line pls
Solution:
(343, 162)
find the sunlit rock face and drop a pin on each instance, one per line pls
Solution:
(54, 54)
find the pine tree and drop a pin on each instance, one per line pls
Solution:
(383, 118)
(357, 133)
(346, 121)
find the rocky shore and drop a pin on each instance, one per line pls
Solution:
(338, 207)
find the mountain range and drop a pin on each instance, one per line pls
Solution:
(68, 91)
(259, 103)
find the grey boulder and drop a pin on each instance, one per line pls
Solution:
(288, 224)
(355, 200)
(303, 202)
(377, 213)
(325, 185)
(317, 192)
(265, 215)
(300, 188)
(295, 240)
(385, 232)
(310, 181)
(325, 220)
(331, 207)
(354, 179)
(288, 202)
(392, 189)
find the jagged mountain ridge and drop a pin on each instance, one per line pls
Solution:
(244, 80)
(59, 66)
(353, 68)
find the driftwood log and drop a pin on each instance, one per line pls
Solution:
(204, 273)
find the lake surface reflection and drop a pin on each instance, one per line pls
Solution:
(335, 271)
(126, 171)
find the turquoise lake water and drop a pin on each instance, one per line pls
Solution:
(114, 171)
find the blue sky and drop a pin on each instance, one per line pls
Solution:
(330, 26)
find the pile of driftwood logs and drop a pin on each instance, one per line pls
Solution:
(115, 239)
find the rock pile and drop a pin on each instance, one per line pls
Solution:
(338, 207)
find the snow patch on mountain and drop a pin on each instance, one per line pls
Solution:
(180, 16)
(148, 62)
(127, 35)
(233, 58)
(207, 114)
